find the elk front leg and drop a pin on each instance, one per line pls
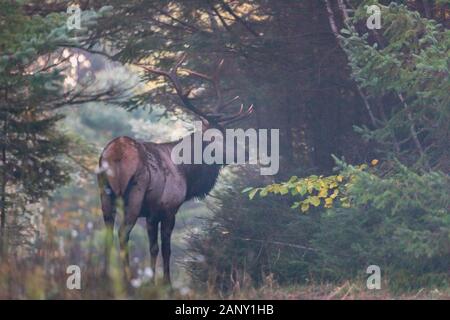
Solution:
(133, 205)
(167, 225)
(152, 231)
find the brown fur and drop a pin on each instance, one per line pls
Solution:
(122, 160)
(151, 186)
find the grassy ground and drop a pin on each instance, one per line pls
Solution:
(47, 280)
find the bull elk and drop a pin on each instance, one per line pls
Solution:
(150, 184)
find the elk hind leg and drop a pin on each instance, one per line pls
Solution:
(133, 205)
(108, 201)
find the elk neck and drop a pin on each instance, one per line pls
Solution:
(200, 178)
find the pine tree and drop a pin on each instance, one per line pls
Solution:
(404, 70)
(30, 144)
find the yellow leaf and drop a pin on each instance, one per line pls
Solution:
(329, 201)
(252, 194)
(323, 193)
(374, 162)
(310, 187)
(284, 190)
(340, 178)
(304, 207)
(345, 205)
(335, 193)
(315, 201)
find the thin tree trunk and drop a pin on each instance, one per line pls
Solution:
(412, 128)
(228, 9)
(3, 186)
(334, 28)
(413, 131)
(343, 9)
(426, 7)
(331, 19)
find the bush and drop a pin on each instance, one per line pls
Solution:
(247, 240)
(399, 222)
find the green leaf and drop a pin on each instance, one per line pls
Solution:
(315, 201)
(301, 189)
(284, 190)
(304, 207)
(263, 192)
(252, 194)
(247, 189)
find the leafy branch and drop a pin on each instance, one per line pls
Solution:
(313, 191)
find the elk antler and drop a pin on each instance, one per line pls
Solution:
(218, 118)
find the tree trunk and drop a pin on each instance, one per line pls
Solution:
(3, 185)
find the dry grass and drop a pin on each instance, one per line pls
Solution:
(42, 275)
(24, 281)
(348, 290)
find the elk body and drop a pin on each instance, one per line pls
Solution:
(150, 183)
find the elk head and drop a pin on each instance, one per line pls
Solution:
(218, 118)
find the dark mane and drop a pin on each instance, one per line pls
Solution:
(200, 179)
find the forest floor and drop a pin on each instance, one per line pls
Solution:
(347, 291)
(30, 281)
